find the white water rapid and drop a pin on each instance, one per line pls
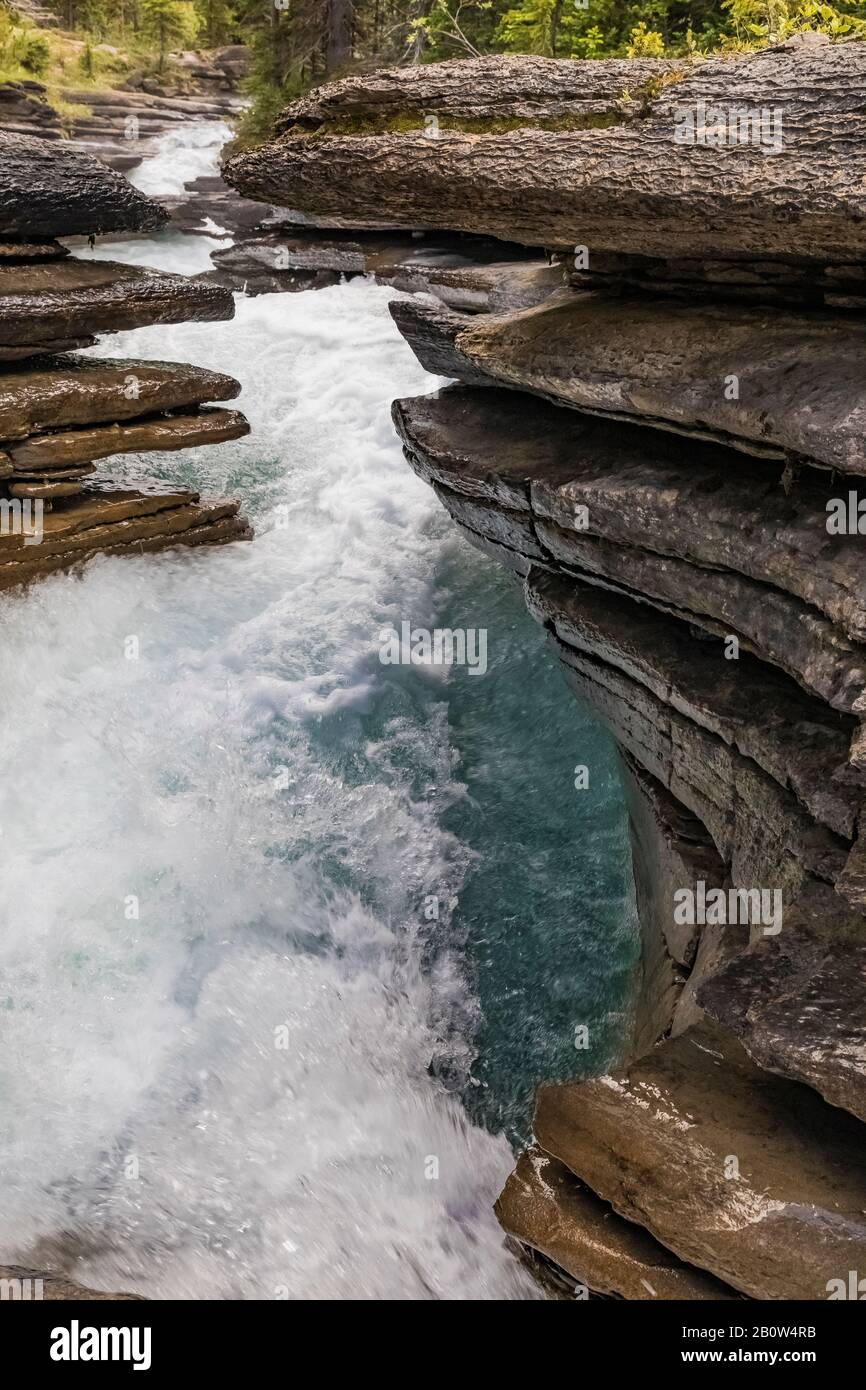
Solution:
(219, 995)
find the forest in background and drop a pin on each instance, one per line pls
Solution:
(295, 44)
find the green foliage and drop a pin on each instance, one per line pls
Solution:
(645, 43)
(24, 50)
(34, 53)
(292, 41)
(755, 22)
(653, 28)
(169, 24)
(217, 22)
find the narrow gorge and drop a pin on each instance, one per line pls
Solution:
(333, 967)
(658, 428)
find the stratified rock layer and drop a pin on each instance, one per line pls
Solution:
(652, 184)
(71, 299)
(507, 88)
(60, 413)
(692, 529)
(755, 1179)
(795, 1001)
(116, 522)
(58, 392)
(469, 274)
(545, 1206)
(769, 382)
(49, 191)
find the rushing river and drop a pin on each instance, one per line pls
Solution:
(242, 1054)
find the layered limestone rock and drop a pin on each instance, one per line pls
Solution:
(118, 124)
(671, 847)
(660, 435)
(511, 90)
(61, 413)
(72, 301)
(769, 382)
(754, 1179)
(114, 521)
(49, 190)
(469, 274)
(547, 1208)
(208, 202)
(796, 1000)
(668, 175)
(693, 530)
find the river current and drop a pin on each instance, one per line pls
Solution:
(289, 934)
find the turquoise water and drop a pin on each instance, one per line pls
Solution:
(281, 1076)
(547, 907)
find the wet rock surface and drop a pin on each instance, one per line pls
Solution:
(683, 414)
(755, 1179)
(671, 366)
(468, 274)
(48, 190)
(68, 390)
(41, 303)
(670, 847)
(797, 1002)
(58, 412)
(60, 449)
(693, 529)
(545, 1206)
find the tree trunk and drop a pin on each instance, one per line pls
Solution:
(338, 46)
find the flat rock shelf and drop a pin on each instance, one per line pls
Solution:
(60, 413)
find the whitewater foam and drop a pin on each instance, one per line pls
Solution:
(179, 156)
(226, 844)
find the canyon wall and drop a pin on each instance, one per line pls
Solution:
(62, 412)
(658, 427)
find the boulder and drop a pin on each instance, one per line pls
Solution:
(47, 190)
(546, 1208)
(752, 1178)
(675, 170)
